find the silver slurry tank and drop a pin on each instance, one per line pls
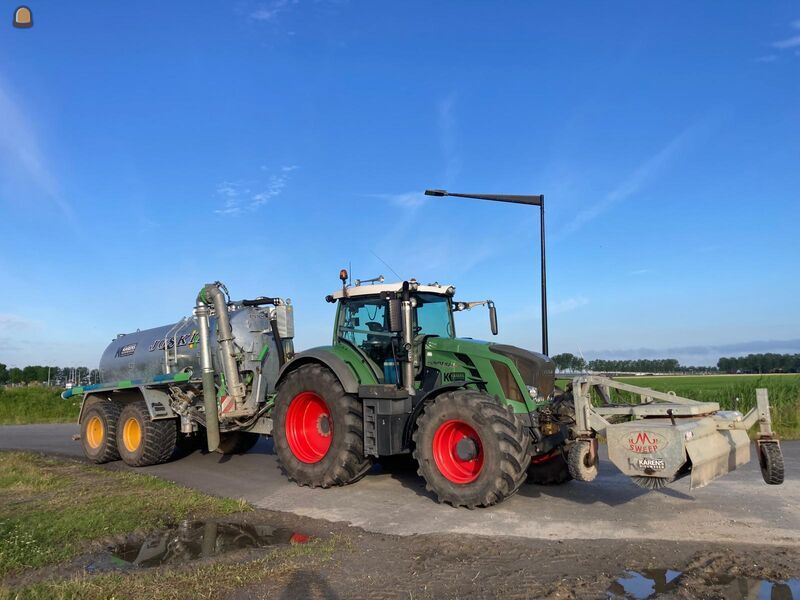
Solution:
(147, 354)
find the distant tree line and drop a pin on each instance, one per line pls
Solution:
(761, 363)
(570, 362)
(39, 374)
(752, 363)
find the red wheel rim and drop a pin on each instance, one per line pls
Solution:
(538, 460)
(456, 468)
(309, 428)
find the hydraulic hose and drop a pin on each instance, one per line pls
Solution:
(276, 335)
(211, 294)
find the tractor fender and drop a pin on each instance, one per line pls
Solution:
(340, 368)
(428, 397)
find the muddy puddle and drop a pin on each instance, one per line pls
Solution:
(193, 540)
(651, 583)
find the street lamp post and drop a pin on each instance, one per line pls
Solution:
(531, 201)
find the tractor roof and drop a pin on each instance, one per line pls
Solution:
(355, 291)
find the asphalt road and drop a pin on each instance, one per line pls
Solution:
(739, 508)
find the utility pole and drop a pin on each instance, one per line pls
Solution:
(531, 201)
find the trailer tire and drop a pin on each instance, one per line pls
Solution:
(237, 442)
(99, 431)
(142, 441)
(318, 429)
(770, 458)
(579, 460)
(552, 471)
(471, 449)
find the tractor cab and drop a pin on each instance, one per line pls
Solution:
(378, 319)
(405, 333)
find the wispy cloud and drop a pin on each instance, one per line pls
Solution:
(271, 10)
(790, 42)
(567, 305)
(15, 333)
(640, 272)
(21, 154)
(247, 196)
(448, 130)
(633, 183)
(411, 200)
(15, 324)
(766, 59)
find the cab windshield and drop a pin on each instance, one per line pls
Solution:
(434, 316)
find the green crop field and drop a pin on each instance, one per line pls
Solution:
(734, 392)
(44, 405)
(36, 404)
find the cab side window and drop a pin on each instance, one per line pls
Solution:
(364, 324)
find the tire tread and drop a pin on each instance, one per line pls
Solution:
(509, 432)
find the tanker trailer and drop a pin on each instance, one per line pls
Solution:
(208, 377)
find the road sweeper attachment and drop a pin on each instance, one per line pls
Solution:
(664, 437)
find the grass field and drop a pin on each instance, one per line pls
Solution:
(784, 393)
(52, 510)
(23, 405)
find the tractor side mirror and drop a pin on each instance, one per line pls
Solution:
(395, 316)
(493, 318)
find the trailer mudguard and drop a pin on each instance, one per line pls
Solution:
(158, 403)
(339, 367)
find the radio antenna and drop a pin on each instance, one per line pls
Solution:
(388, 266)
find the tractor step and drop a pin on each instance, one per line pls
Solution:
(386, 408)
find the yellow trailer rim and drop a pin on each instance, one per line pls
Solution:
(94, 432)
(132, 435)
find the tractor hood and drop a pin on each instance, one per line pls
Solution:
(536, 369)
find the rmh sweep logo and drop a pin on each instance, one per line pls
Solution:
(645, 442)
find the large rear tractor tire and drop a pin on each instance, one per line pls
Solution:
(471, 449)
(237, 442)
(550, 469)
(142, 441)
(99, 431)
(318, 429)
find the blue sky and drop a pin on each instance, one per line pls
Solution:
(268, 144)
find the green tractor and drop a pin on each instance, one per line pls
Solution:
(476, 416)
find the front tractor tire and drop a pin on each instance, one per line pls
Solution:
(318, 429)
(99, 431)
(142, 441)
(549, 469)
(471, 449)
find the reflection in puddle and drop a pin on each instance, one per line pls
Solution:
(650, 583)
(191, 540)
(645, 584)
